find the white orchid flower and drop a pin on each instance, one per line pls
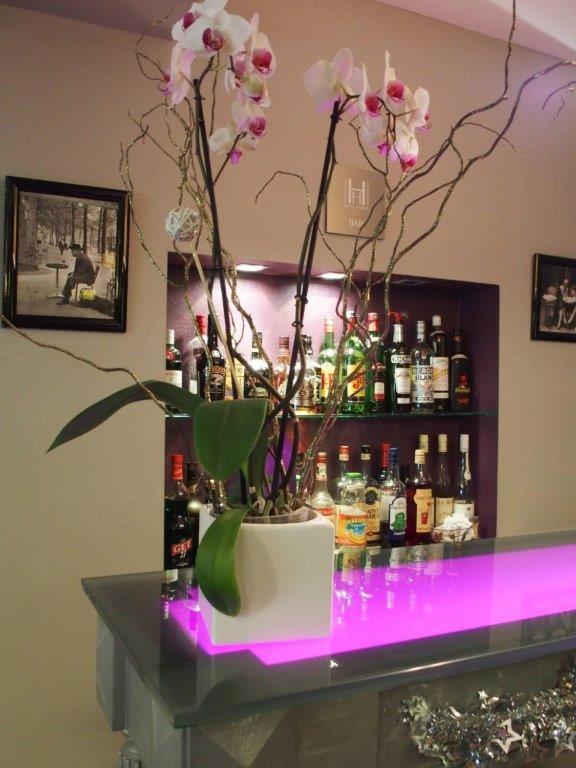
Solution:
(405, 144)
(249, 118)
(262, 57)
(418, 110)
(329, 81)
(224, 141)
(177, 80)
(207, 28)
(394, 92)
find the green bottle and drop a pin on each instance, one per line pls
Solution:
(327, 361)
(354, 398)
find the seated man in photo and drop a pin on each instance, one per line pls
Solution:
(83, 272)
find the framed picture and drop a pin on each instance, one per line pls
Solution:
(554, 298)
(65, 256)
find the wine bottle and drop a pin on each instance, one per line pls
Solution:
(327, 361)
(398, 370)
(212, 370)
(177, 529)
(354, 361)
(371, 501)
(440, 366)
(421, 372)
(464, 499)
(376, 389)
(419, 503)
(460, 376)
(194, 506)
(443, 492)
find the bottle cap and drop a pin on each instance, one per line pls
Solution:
(424, 443)
(344, 453)
(436, 321)
(176, 459)
(177, 466)
(464, 443)
(420, 325)
(442, 443)
(284, 342)
(328, 325)
(384, 447)
(202, 323)
(365, 448)
(394, 455)
(419, 456)
(170, 336)
(321, 457)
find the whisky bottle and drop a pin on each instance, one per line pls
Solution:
(421, 372)
(464, 499)
(212, 370)
(460, 378)
(280, 373)
(371, 501)
(419, 503)
(321, 499)
(376, 368)
(443, 492)
(354, 400)
(440, 366)
(306, 400)
(393, 505)
(327, 361)
(398, 371)
(253, 387)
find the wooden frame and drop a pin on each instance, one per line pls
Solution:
(44, 221)
(553, 298)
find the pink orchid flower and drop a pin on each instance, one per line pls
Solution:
(369, 103)
(254, 88)
(249, 118)
(261, 55)
(394, 92)
(177, 81)
(405, 144)
(329, 81)
(207, 28)
(224, 141)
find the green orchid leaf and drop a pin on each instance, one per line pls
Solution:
(257, 462)
(226, 432)
(96, 414)
(215, 562)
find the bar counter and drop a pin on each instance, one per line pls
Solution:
(443, 620)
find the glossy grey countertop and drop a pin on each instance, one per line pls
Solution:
(410, 615)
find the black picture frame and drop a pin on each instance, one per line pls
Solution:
(42, 220)
(553, 298)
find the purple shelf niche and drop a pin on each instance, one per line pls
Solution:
(474, 307)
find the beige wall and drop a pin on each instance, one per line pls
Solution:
(94, 507)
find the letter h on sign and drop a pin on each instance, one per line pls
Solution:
(358, 195)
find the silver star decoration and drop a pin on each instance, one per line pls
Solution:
(506, 736)
(486, 700)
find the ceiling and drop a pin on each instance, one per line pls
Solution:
(548, 26)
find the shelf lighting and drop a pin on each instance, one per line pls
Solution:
(332, 276)
(251, 267)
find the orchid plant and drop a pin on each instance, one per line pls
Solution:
(245, 436)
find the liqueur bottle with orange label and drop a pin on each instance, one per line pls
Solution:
(419, 503)
(321, 499)
(354, 362)
(178, 529)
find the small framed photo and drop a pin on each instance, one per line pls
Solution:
(66, 256)
(554, 298)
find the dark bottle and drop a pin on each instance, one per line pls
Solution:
(376, 367)
(178, 529)
(440, 366)
(354, 362)
(371, 501)
(421, 373)
(212, 379)
(419, 503)
(194, 506)
(460, 376)
(398, 371)
(253, 387)
(384, 462)
(173, 365)
(393, 501)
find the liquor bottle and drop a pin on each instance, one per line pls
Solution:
(177, 529)
(253, 387)
(327, 361)
(384, 462)
(424, 445)
(398, 371)
(280, 373)
(354, 400)
(194, 506)
(419, 503)
(421, 372)
(371, 501)
(306, 399)
(464, 500)
(228, 388)
(443, 492)
(212, 378)
(195, 349)
(342, 479)
(321, 499)
(393, 505)
(460, 376)
(376, 368)
(298, 473)
(440, 366)
(173, 365)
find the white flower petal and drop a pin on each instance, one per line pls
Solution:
(235, 29)
(192, 37)
(343, 65)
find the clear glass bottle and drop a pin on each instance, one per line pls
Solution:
(464, 498)
(253, 387)
(341, 480)
(421, 372)
(282, 366)
(419, 503)
(371, 501)
(321, 499)
(443, 491)
(327, 361)
(440, 366)
(354, 360)
(398, 370)
(195, 349)
(393, 504)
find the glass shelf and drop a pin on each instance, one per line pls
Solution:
(389, 416)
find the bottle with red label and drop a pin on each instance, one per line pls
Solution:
(419, 503)
(321, 499)
(376, 367)
(178, 530)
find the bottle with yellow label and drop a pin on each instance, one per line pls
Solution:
(419, 503)
(327, 360)
(354, 364)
